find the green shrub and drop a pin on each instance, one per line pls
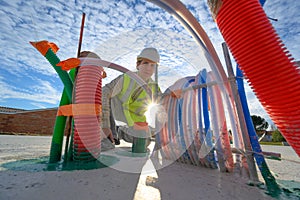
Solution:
(277, 137)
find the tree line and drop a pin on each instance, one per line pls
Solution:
(260, 124)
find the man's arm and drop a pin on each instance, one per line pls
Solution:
(108, 91)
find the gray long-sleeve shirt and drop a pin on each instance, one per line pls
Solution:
(109, 91)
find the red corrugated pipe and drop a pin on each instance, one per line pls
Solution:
(87, 137)
(266, 63)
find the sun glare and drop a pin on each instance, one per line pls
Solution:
(150, 114)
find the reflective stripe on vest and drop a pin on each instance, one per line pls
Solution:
(134, 102)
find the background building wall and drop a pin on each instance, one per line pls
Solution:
(34, 122)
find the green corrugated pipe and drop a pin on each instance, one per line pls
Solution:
(59, 127)
(48, 50)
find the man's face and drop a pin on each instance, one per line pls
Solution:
(146, 68)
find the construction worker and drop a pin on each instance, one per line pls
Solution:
(126, 101)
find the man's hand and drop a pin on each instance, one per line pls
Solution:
(108, 134)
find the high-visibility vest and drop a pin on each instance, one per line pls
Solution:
(135, 100)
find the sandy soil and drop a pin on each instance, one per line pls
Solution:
(176, 181)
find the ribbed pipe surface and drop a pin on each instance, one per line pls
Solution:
(265, 62)
(87, 140)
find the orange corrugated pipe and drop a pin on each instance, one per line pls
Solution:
(87, 133)
(265, 61)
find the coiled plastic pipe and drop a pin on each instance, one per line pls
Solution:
(182, 138)
(265, 62)
(87, 137)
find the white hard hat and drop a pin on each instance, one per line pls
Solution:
(150, 54)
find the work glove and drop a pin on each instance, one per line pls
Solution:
(140, 129)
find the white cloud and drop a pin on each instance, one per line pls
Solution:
(43, 92)
(117, 31)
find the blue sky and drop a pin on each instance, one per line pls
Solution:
(117, 31)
